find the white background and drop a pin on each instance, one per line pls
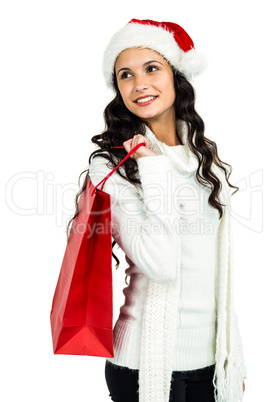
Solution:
(52, 98)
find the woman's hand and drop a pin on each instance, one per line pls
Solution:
(141, 151)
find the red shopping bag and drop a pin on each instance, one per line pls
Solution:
(81, 316)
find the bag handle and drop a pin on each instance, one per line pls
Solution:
(122, 161)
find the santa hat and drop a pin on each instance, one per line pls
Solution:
(168, 39)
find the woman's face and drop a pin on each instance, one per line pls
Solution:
(145, 81)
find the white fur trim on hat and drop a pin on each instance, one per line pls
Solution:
(134, 35)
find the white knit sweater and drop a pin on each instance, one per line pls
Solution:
(171, 238)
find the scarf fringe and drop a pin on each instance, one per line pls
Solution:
(228, 383)
(219, 383)
(234, 383)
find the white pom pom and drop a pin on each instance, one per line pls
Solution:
(192, 63)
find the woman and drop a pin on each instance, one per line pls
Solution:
(177, 335)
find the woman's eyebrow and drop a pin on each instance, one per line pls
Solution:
(123, 68)
(152, 61)
(144, 65)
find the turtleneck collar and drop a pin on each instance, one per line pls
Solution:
(182, 158)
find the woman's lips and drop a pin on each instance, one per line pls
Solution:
(146, 103)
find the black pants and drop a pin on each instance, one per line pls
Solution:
(186, 386)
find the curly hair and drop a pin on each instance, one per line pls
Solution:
(122, 125)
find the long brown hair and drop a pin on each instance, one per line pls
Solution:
(121, 125)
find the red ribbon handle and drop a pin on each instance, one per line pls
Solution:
(122, 161)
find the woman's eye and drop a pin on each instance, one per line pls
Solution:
(125, 75)
(151, 68)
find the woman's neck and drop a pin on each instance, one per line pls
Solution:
(166, 132)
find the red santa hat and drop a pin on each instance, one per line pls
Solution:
(168, 39)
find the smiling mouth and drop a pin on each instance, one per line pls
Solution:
(145, 100)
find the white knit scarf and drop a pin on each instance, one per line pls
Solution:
(161, 314)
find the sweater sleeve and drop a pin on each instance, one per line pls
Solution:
(146, 230)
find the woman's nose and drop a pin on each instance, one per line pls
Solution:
(141, 83)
